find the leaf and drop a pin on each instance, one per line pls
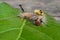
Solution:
(46, 31)
(10, 24)
(14, 28)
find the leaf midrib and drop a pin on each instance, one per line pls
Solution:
(19, 35)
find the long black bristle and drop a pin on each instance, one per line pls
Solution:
(21, 7)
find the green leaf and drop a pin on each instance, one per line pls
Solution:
(46, 31)
(14, 28)
(10, 25)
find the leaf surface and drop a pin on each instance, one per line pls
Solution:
(14, 28)
(10, 24)
(46, 31)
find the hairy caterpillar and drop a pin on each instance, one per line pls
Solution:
(35, 17)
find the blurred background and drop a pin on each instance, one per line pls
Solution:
(50, 6)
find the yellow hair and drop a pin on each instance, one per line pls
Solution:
(39, 12)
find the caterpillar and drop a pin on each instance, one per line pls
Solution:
(34, 17)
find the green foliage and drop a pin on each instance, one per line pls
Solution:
(14, 28)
